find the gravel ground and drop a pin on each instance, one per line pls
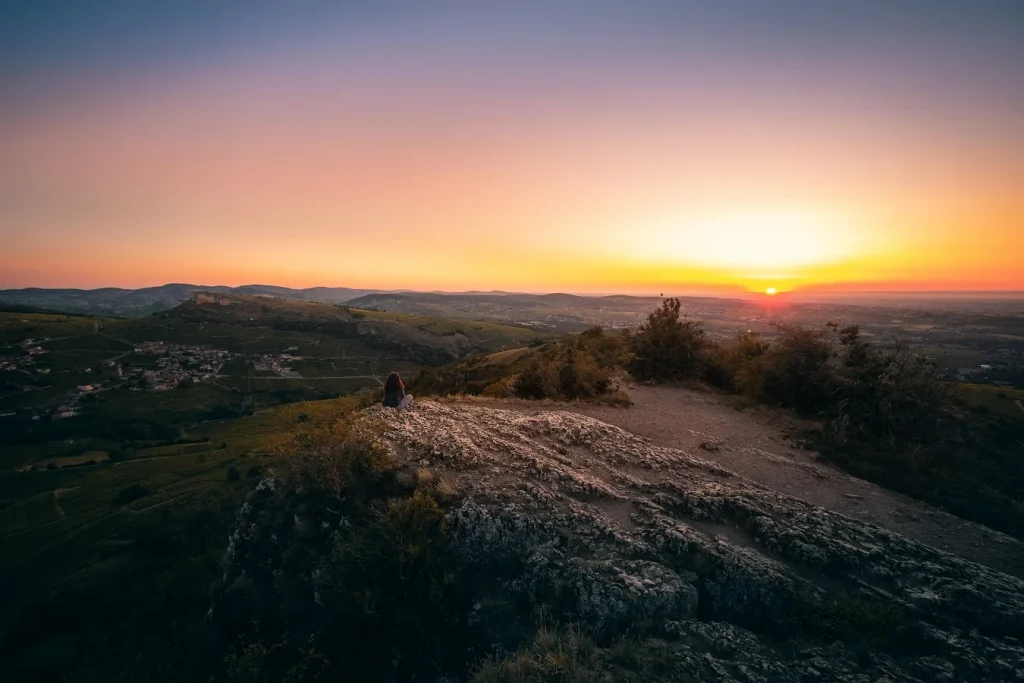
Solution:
(754, 442)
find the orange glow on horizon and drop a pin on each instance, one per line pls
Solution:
(663, 195)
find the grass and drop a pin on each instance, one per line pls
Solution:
(492, 335)
(164, 471)
(86, 458)
(567, 655)
(998, 400)
(17, 326)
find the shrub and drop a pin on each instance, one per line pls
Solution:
(572, 374)
(667, 347)
(723, 363)
(793, 372)
(501, 388)
(891, 395)
(539, 380)
(568, 656)
(581, 366)
(608, 349)
(581, 377)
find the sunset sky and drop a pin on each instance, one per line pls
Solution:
(559, 146)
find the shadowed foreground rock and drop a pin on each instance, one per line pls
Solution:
(625, 532)
(724, 579)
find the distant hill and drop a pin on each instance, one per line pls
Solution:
(19, 308)
(116, 302)
(553, 313)
(558, 313)
(423, 339)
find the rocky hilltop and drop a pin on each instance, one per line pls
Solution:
(723, 578)
(640, 532)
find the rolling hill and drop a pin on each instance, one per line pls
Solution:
(113, 301)
(423, 339)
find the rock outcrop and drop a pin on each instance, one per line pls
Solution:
(744, 583)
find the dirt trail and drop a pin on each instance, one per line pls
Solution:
(753, 443)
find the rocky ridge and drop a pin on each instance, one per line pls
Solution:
(743, 583)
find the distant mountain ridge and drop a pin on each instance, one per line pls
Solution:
(118, 302)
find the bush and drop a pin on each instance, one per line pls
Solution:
(667, 348)
(723, 363)
(793, 372)
(539, 380)
(338, 569)
(577, 367)
(572, 374)
(569, 656)
(890, 395)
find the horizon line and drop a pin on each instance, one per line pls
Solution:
(697, 292)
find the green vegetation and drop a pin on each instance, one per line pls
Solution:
(582, 366)
(340, 521)
(992, 400)
(668, 348)
(569, 656)
(113, 562)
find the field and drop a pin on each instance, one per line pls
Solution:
(999, 400)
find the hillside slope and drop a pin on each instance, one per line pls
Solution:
(423, 339)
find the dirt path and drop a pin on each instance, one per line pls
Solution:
(753, 443)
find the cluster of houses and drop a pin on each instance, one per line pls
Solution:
(276, 363)
(174, 365)
(26, 360)
(177, 363)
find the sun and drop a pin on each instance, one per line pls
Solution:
(770, 291)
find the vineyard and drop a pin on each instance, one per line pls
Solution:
(25, 514)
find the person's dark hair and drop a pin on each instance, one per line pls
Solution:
(393, 382)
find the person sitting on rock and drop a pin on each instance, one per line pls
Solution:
(394, 393)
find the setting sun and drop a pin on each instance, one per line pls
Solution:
(770, 291)
(514, 160)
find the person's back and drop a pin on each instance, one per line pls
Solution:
(394, 393)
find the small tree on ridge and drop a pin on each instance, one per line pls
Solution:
(667, 347)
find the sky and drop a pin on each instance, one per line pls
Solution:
(635, 147)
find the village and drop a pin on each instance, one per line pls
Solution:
(149, 366)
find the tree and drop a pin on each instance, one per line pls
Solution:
(667, 347)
